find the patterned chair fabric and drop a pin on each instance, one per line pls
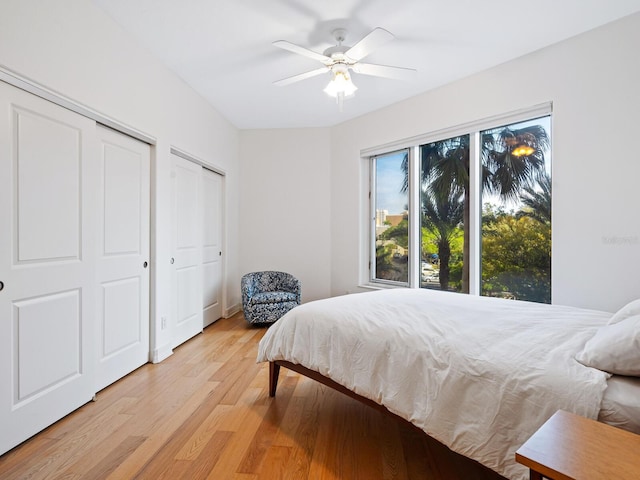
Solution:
(267, 296)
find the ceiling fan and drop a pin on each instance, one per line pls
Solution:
(340, 59)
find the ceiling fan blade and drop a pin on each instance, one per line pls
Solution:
(384, 71)
(300, 76)
(376, 38)
(292, 47)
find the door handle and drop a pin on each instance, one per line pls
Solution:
(1, 285)
(172, 260)
(145, 264)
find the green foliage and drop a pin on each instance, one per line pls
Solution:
(399, 234)
(429, 244)
(516, 257)
(455, 280)
(388, 267)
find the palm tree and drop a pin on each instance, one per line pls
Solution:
(445, 170)
(537, 203)
(506, 169)
(441, 215)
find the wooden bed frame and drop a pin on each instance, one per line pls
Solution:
(274, 372)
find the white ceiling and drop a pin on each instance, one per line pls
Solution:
(223, 48)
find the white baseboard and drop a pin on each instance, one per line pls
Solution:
(159, 354)
(232, 310)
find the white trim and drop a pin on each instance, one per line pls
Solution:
(475, 214)
(366, 235)
(413, 178)
(372, 214)
(540, 110)
(415, 244)
(162, 353)
(231, 311)
(376, 286)
(41, 91)
(192, 158)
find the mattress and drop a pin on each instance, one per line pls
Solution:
(621, 403)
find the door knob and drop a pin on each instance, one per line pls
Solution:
(172, 260)
(1, 285)
(145, 264)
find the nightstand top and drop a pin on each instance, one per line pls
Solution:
(569, 447)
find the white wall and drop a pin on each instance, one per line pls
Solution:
(72, 47)
(284, 205)
(290, 177)
(593, 82)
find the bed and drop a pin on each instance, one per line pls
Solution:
(478, 374)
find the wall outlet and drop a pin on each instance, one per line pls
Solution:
(163, 323)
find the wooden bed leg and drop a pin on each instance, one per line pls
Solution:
(274, 371)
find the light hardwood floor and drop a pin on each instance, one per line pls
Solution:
(204, 413)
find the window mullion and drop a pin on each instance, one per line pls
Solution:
(372, 221)
(475, 206)
(415, 237)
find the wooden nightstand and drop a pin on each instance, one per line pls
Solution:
(570, 447)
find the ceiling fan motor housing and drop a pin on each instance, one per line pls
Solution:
(337, 52)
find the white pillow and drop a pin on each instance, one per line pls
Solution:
(614, 348)
(630, 309)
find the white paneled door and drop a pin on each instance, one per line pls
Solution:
(123, 256)
(187, 250)
(212, 246)
(47, 242)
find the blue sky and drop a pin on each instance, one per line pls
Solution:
(389, 180)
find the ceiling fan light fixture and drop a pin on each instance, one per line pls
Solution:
(340, 84)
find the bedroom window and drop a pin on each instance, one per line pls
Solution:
(444, 213)
(516, 211)
(468, 212)
(390, 204)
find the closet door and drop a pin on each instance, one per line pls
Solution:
(47, 254)
(212, 246)
(123, 257)
(187, 250)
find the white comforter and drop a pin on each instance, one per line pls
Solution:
(478, 374)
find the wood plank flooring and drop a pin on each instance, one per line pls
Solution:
(205, 413)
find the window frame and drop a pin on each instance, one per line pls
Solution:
(372, 223)
(412, 145)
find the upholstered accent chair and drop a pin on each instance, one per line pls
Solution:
(267, 296)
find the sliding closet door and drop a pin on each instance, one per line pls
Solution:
(123, 257)
(212, 246)
(47, 245)
(187, 250)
